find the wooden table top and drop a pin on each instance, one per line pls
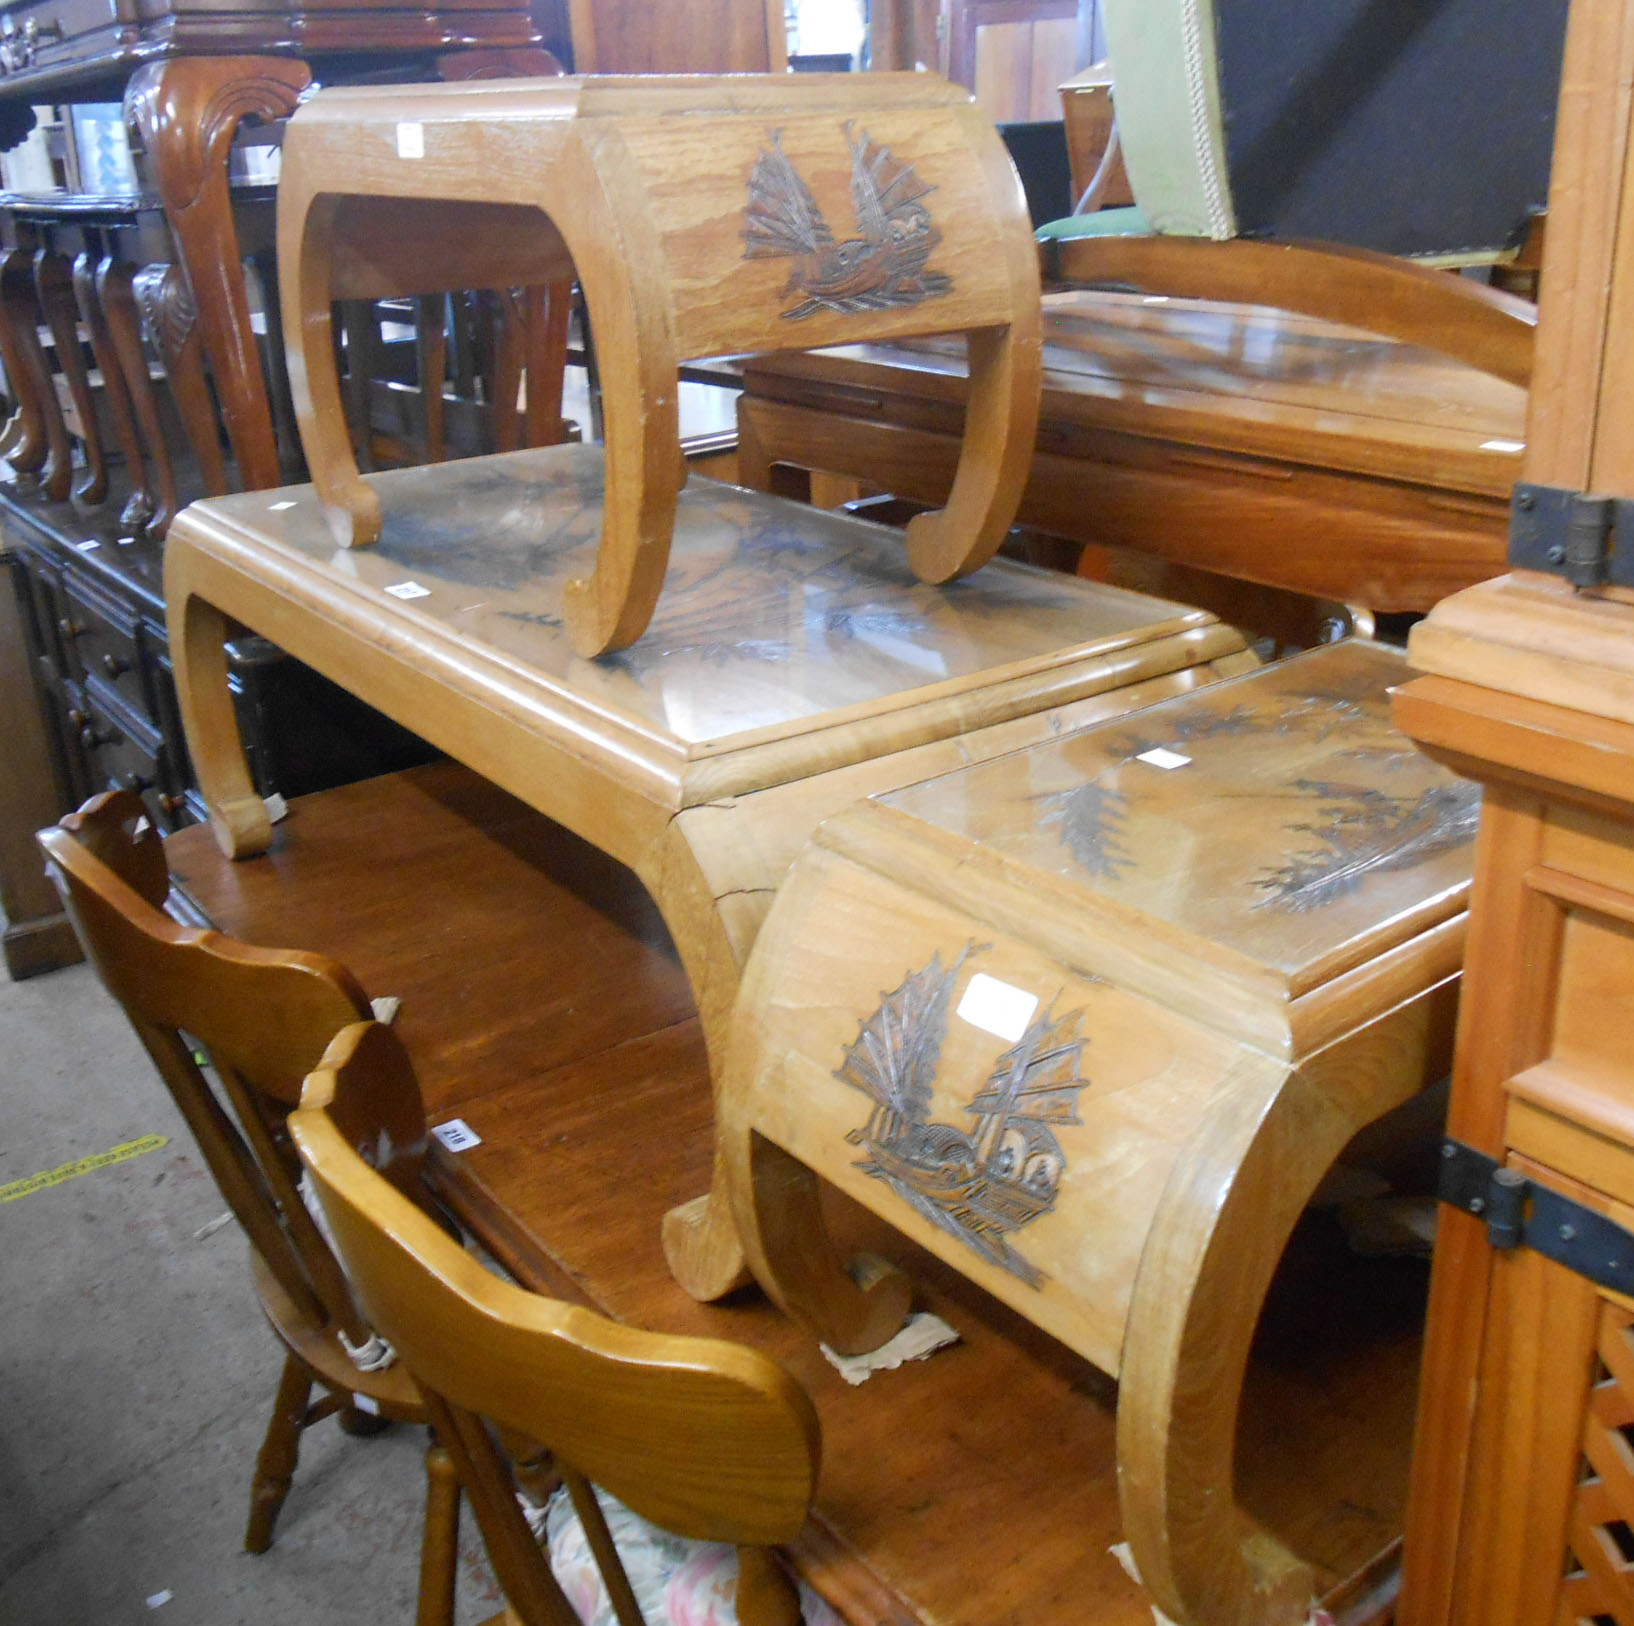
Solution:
(1241, 378)
(1274, 827)
(782, 633)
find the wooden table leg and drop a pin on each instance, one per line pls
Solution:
(139, 505)
(187, 111)
(53, 459)
(198, 653)
(170, 319)
(117, 299)
(54, 283)
(1214, 1244)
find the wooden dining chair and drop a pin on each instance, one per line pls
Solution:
(706, 1439)
(262, 1018)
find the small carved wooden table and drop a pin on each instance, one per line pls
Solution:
(794, 665)
(1090, 1023)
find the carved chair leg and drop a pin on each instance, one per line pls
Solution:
(171, 323)
(440, 1547)
(54, 283)
(118, 299)
(187, 112)
(20, 300)
(275, 1466)
(139, 505)
(24, 437)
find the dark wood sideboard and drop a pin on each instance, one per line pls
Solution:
(142, 371)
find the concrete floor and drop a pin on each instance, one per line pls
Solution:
(137, 1373)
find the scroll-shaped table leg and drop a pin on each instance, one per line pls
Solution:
(170, 320)
(198, 638)
(25, 446)
(118, 301)
(187, 111)
(1212, 1249)
(138, 507)
(54, 282)
(1001, 426)
(20, 301)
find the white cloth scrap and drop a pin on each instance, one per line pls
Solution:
(923, 1335)
(1126, 1561)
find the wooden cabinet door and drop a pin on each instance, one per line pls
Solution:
(1014, 53)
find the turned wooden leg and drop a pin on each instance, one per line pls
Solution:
(20, 301)
(186, 112)
(440, 1547)
(170, 321)
(766, 1595)
(198, 635)
(54, 283)
(275, 1466)
(138, 508)
(1214, 1244)
(117, 298)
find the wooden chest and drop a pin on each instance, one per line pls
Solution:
(1090, 1022)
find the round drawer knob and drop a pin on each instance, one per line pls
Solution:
(93, 738)
(114, 666)
(70, 629)
(137, 782)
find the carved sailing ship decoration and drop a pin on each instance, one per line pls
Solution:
(882, 267)
(1004, 1172)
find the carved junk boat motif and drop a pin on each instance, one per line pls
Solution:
(1004, 1172)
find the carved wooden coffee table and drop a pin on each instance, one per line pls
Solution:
(1090, 1023)
(794, 665)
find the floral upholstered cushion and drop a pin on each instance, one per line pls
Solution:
(676, 1582)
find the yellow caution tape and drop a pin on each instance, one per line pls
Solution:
(82, 1165)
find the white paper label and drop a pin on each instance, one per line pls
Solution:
(279, 507)
(157, 1600)
(86, 547)
(411, 141)
(457, 1135)
(996, 1007)
(1503, 445)
(277, 807)
(366, 1403)
(408, 590)
(1161, 758)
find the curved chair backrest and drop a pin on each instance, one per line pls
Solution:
(707, 1439)
(263, 1016)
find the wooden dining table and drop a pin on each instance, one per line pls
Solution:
(544, 1004)
(1236, 439)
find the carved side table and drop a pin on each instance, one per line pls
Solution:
(1091, 1022)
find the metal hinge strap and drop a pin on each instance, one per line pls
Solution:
(1521, 1213)
(1587, 539)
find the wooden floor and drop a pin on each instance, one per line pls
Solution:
(544, 1005)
